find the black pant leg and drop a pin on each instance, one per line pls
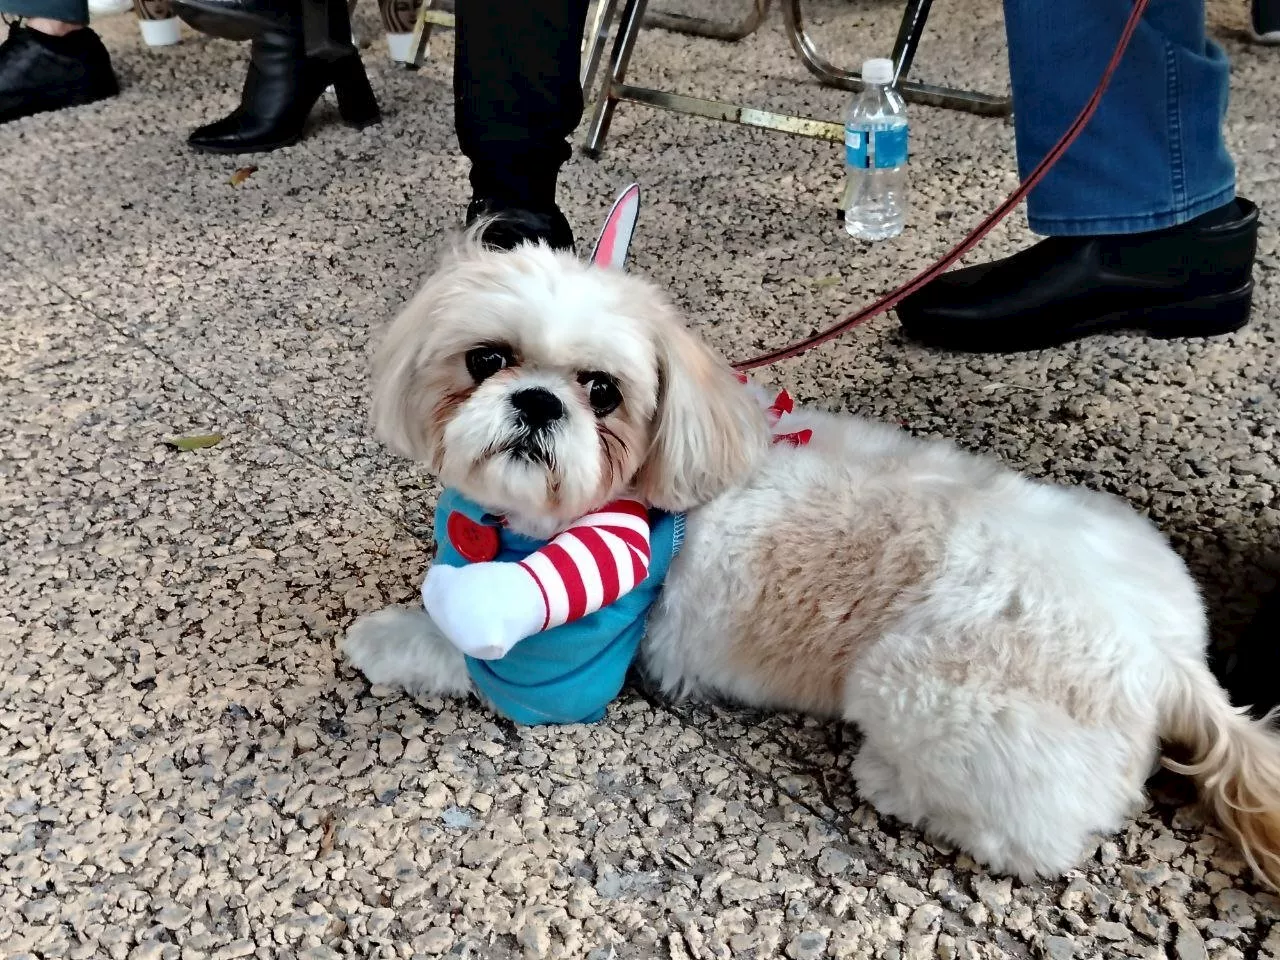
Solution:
(517, 95)
(326, 27)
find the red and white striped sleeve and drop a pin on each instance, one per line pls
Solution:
(592, 563)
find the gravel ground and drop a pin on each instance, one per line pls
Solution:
(187, 769)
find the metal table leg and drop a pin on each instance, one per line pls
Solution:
(711, 29)
(615, 89)
(913, 20)
(729, 112)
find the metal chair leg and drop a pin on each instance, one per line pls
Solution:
(430, 15)
(913, 91)
(711, 29)
(910, 30)
(619, 60)
(593, 40)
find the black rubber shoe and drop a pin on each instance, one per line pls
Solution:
(1194, 280)
(1265, 20)
(512, 226)
(1252, 674)
(39, 72)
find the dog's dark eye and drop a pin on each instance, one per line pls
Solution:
(484, 362)
(602, 392)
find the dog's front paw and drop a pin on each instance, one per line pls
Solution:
(376, 644)
(402, 647)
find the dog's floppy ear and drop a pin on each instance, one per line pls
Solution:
(407, 392)
(401, 407)
(708, 430)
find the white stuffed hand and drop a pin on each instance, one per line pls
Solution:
(484, 609)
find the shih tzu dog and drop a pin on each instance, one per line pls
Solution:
(1013, 653)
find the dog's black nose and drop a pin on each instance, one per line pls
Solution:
(537, 407)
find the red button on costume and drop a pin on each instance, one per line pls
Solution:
(476, 542)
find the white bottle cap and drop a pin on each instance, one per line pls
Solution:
(879, 70)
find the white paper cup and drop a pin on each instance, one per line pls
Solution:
(161, 33)
(400, 47)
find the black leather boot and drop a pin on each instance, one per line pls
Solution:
(235, 19)
(285, 78)
(1194, 280)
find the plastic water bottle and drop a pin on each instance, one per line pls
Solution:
(875, 152)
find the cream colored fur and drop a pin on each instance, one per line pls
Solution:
(1012, 652)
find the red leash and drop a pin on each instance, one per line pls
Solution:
(892, 299)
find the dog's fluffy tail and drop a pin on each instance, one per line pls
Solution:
(1235, 762)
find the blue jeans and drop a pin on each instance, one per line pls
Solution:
(1153, 156)
(70, 11)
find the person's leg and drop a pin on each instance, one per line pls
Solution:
(71, 12)
(1144, 229)
(517, 100)
(1153, 155)
(52, 60)
(56, 26)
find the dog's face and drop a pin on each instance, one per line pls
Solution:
(542, 387)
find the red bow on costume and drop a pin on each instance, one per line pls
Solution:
(783, 404)
(798, 439)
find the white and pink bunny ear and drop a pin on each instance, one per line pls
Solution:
(615, 239)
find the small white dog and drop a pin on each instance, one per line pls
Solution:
(1012, 652)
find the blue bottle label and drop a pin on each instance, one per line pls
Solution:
(855, 147)
(889, 147)
(875, 148)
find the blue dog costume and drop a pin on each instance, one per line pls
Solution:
(567, 674)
